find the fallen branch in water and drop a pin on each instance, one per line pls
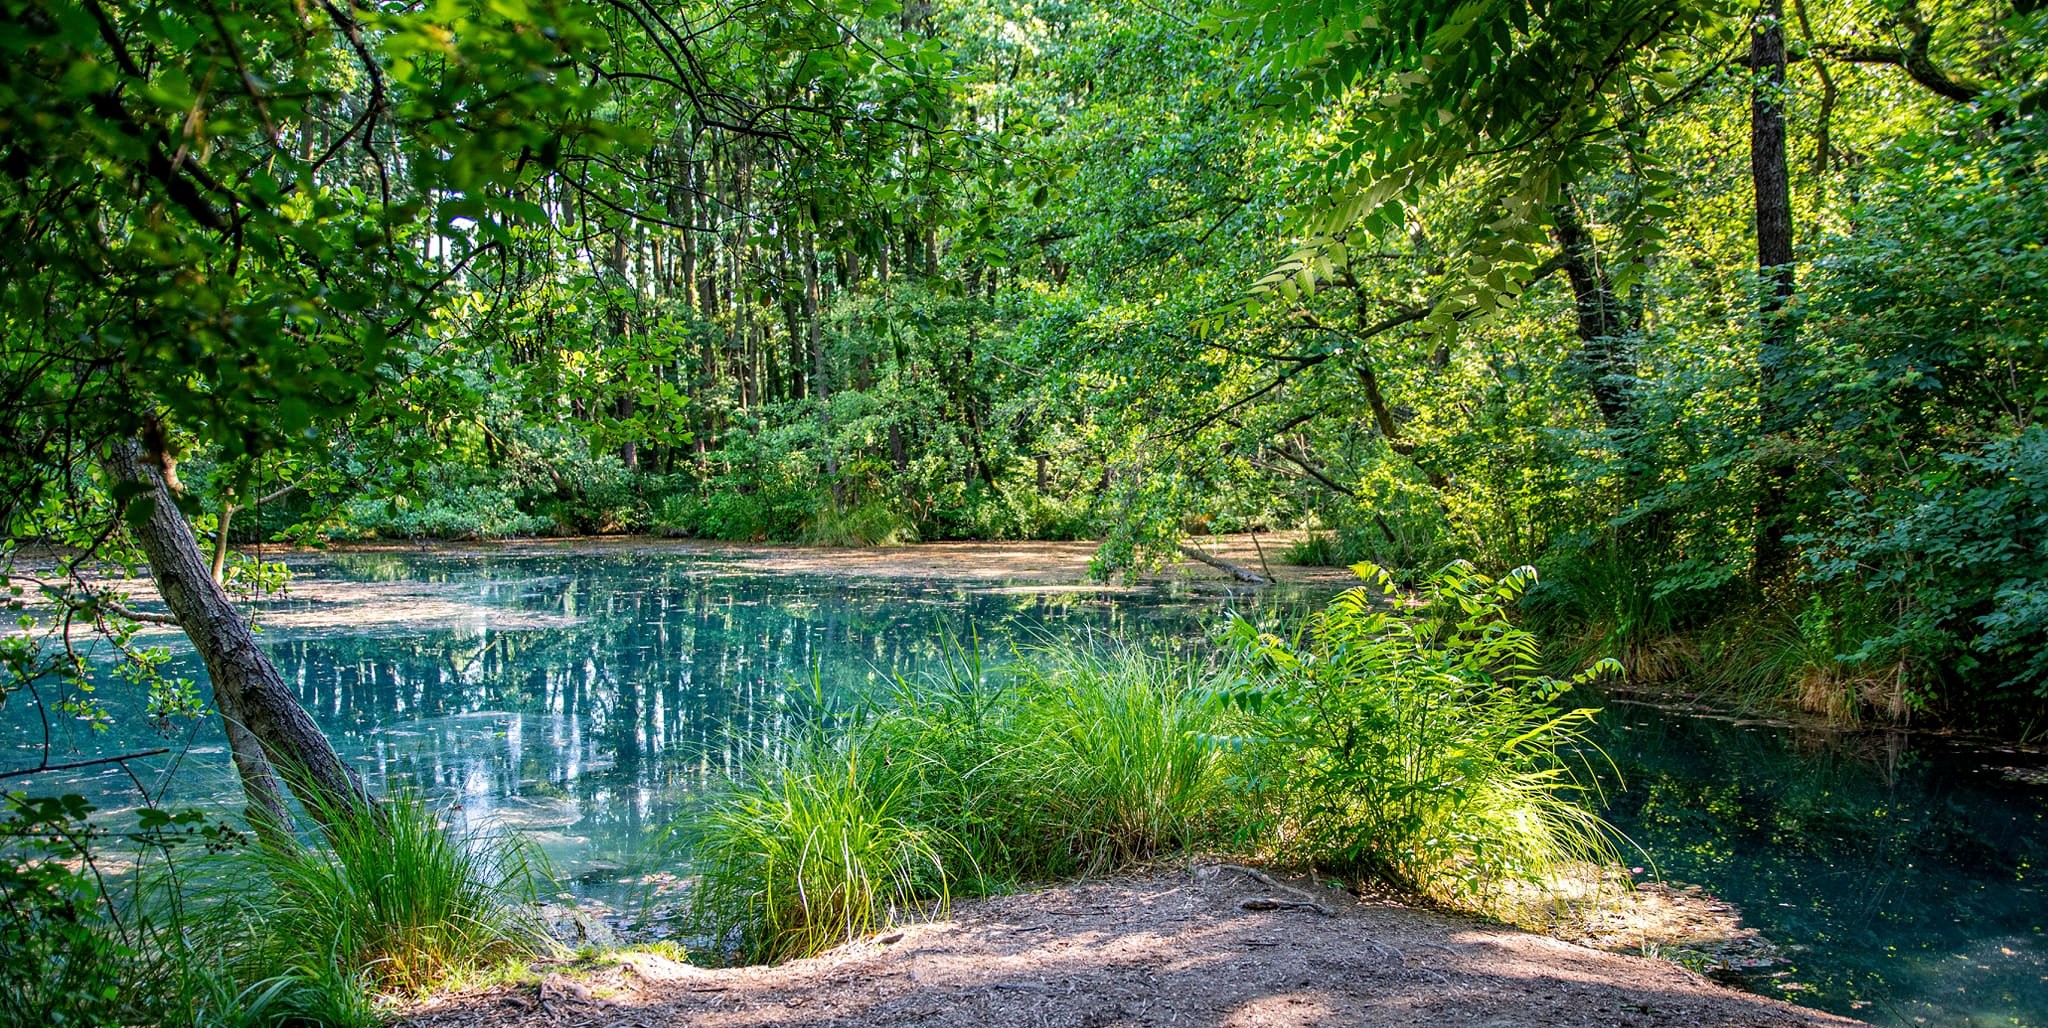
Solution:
(1242, 574)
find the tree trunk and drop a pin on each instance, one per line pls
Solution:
(267, 729)
(220, 540)
(1769, 175)
(621, 327)
(1604, 326)
(820, 373)
(1242, 574)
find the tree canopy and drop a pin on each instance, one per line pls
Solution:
(1726, 317)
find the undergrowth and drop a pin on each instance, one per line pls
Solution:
(387, 903)
(1420, 747)
(383, 905)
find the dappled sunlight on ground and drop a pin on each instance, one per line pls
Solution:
(1173, 948)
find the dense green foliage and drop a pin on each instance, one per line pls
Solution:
(1067, 763)
(208, 928)
(1475, 280)
(1728, 316)
(389, 904)
(1423, 749)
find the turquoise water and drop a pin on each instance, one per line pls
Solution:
(1900, 876)
(587, 700)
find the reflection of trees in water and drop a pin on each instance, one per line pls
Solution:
(1876, 860)
(660, 686)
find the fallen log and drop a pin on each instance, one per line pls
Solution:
(1242, 574)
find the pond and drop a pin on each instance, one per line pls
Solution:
(587, 700)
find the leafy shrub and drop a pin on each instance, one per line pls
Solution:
(74, 952)
(62, 958)
(460, 512)
(1008, 510)
(1317, 549)
(1960, 552)
(737, 515)
(1421, 747)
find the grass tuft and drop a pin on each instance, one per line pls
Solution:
(388, 904)
(813, 848)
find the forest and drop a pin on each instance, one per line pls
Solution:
(1698, 346)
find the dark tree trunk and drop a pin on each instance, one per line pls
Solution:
(268, 731)
(1769, 175)
(1605, 328)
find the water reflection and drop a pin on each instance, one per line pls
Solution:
(1898, 874)
(657, 675)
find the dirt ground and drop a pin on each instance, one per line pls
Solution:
(1172, 948)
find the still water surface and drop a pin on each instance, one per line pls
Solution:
(586, 700)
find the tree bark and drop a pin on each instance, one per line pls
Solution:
(1605, 357)
(820, 372)
(1772, 182)
(273, 739)
(1242, 574)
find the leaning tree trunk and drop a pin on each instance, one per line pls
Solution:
(267, 729)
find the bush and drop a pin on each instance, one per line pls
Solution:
(468, 512)
(873, 523)
(389, 903)
(75, 952)
(1315, 550)
(1420, 747)
(1959, 553)
(62, 954)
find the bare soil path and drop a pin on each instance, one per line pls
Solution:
(1172, 948)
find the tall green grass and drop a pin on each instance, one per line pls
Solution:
(384, 904)
(1421, 747)
(1121, 743)
(387, 903)
(813, 848)
(958, 781)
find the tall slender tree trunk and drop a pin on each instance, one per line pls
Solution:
(1771, 178)
(820, 372)
(621, 328)
(268, 731)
